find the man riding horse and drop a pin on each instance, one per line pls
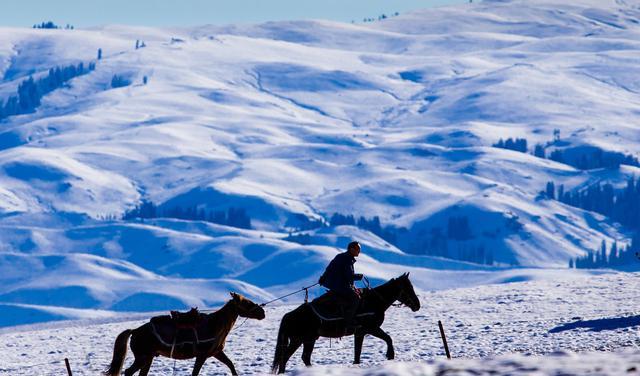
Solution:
(339, 278)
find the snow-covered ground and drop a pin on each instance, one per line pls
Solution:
(586, 325)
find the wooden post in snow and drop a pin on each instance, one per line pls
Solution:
(66, 363)
(444, 340)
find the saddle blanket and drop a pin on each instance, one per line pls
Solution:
(167, 332)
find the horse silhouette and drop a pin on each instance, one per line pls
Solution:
(308, 322)
(161, 336)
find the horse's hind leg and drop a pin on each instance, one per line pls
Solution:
(307, 349)
(145, 369)
(378, 332)
(357, 339)
(294, 344)
(138, 364)
(221, 356)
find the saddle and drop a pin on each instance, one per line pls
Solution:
(330, 307)
(180, 328)
(185, 320)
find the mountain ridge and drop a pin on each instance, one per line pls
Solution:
(290, 123)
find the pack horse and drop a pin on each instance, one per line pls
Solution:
(202, 338)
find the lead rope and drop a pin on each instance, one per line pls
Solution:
(295, 292)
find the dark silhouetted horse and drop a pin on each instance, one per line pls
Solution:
(308, 322)
(158, 337)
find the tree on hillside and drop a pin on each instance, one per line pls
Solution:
(31, 91)
(518, 144)
(119, 81)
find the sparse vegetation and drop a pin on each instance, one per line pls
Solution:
(31, 91)
(235, 217)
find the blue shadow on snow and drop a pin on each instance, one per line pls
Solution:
(599, 325)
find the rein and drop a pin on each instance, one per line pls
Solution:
(305, 289)
(383, 299)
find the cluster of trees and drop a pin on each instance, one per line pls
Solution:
(521, 145)
(119, 81)
(31, 91)
(51, 25)
(518, 144)
(596, 159)
(236, 217)
(388, 233)
(439, 243)
(304, 239)
(475, 253)
(456, 241)
(617, 257)
(621, 206)
(380, 17)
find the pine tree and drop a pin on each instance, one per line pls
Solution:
(550, 191)
(602, 260)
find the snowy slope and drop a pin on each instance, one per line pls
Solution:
(296, 121)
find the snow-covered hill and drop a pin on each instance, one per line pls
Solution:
(290, 123)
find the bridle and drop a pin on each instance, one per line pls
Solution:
(401, 294)
(246, 312)
(408, 297)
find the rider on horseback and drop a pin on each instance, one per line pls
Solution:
(339, 277)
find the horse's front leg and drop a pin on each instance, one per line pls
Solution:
(378, 332)
(357, 339)
(221, 356)
(198, 365)
(307, 349)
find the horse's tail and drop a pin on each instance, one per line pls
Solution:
(281, 346)
(119, 353)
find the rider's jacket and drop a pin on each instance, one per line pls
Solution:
(339, 274)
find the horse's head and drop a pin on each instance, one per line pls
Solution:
(247, 308)
(407, 295)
